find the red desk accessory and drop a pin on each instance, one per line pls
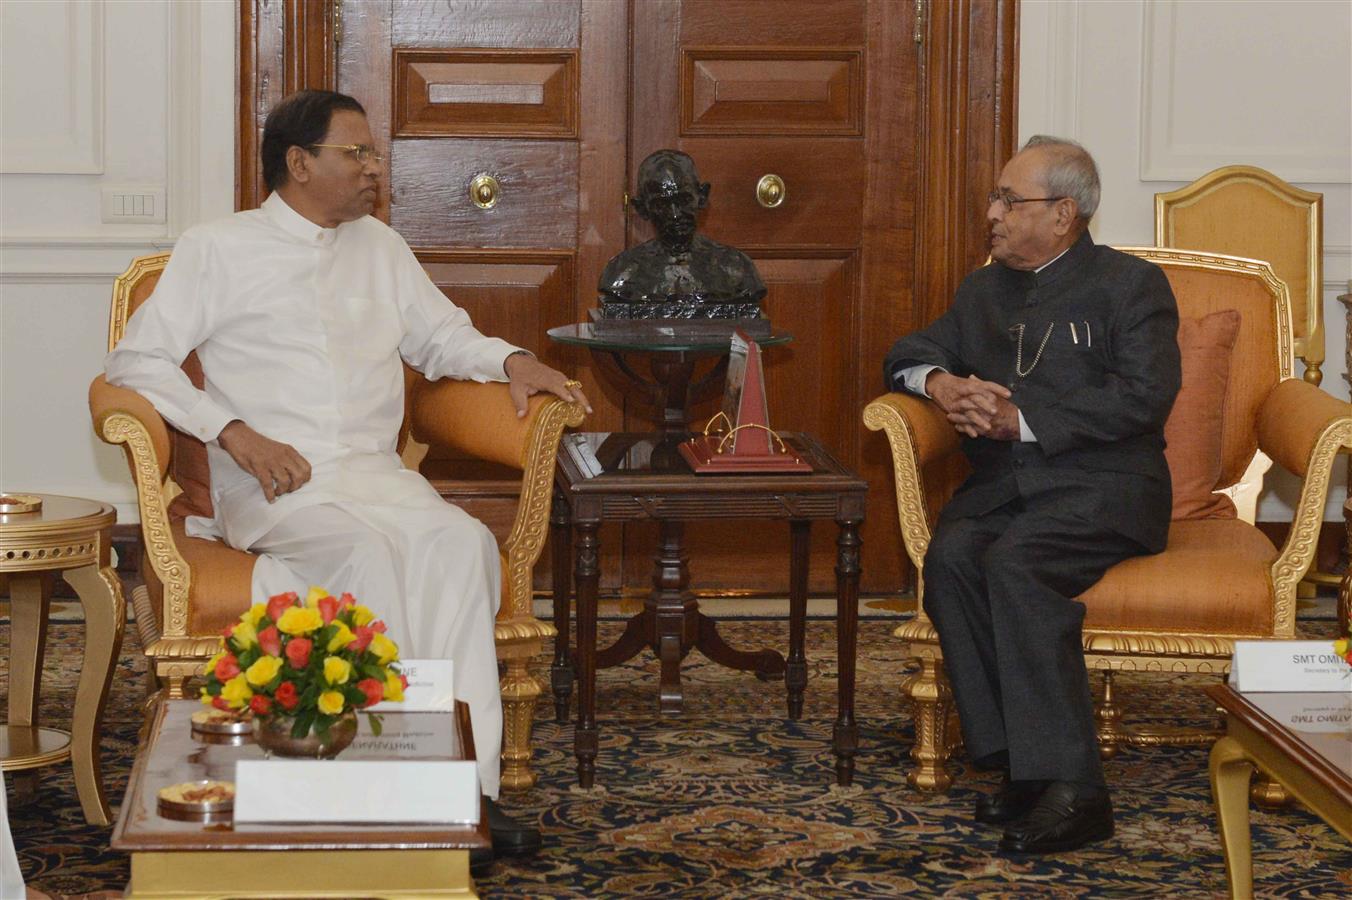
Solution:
(749, 444)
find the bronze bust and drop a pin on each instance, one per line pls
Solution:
(679, 274)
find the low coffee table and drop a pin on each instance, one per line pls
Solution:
(1316, 767)
(171, 858)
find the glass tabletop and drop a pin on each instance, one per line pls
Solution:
(636, 334)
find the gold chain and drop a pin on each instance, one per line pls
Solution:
(1018, 353)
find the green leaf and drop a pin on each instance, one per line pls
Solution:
(303, 722)
(376, 722)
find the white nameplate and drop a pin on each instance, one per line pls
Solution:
(1327, 712)
(430, 687)
(360, 791)
(1279, 666)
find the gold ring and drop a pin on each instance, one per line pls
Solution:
(572, 385)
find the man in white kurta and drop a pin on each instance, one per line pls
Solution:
(301, 312)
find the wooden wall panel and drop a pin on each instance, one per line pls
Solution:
(521, 93)
(483, 23)
(430, 203)
(813, 23)
(753, 91)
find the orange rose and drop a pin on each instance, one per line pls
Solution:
(279, 603)
(227, 667)
(373, 690)
(328, 608)
(261, 704)
(297, 652)
(287, 696)
(270, 641)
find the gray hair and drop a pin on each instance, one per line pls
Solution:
(1071, 172)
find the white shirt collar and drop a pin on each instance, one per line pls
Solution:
(1053, 259)
(294, 224)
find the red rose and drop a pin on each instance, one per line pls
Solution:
(373, 690)
(328, 608)
(297, 652)
(280, 603)
(378, 625)
(363, 638)
(270, 641)
(227, 631)
(347, 600)
(227, 668)
(403, 680)
(220, 703)
(287, 696)
(260, 704)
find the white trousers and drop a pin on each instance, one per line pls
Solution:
(432, 573)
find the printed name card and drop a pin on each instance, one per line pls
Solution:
(324, 791)
(1279, 666)
(1323, 713)
(430, 687)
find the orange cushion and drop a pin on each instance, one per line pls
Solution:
(222, 582)
(188, 465)
(1193, 432)
(1212, 578)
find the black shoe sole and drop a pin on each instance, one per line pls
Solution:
(516, 849)
(1099, 833)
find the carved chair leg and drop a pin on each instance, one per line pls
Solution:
(931, 700)
(519, 693)
(1267, 792)
(175, 686)
(1109, 718)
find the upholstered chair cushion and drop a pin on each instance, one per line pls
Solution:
(1195, 428)
(189, 467)
(1213, 578)
(221, 585)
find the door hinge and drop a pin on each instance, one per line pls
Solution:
(337, 21)
(919, 21)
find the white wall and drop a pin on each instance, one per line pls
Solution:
(1164, 91)
(131, 94)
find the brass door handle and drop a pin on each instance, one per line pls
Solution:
(770, 191)
(484, 191)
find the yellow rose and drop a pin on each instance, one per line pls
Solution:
(316, 594)
(384, 649)
(300, 621)
(394, 688)
(205, 697)
(341, 638)
(211, 663)
(331, 702)
(263, 671)
(337, 670)
(361, 615)
(1341, 645)
(237, 692)
(244, 635)
(256, 612)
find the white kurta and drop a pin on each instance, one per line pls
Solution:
(300, 331)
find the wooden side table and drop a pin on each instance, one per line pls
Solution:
(634, 477)
(71, 537)
(1315, 768)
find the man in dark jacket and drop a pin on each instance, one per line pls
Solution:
(1059, 364)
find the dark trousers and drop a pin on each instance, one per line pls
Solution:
(998, 588)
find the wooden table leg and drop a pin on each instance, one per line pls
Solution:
(673, 609)
(30, 596)
(561, 551)
(795, 669)
(587, 580)
(105, 612)
(1230, 773)
(845, 735)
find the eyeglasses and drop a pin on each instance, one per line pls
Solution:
(364, 152)
(1008, 199)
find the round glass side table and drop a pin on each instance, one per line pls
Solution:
(654, 363)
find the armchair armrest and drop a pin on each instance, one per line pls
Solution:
(919, 434)
(1302, 428)
(122, 416)
(480, 419)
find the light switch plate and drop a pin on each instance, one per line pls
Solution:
(133, 204)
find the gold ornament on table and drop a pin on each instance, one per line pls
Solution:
(17, 504)
(302, 670)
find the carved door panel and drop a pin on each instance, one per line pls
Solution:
(822, 95)
(531, 95)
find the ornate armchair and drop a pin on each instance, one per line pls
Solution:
(194, 587)
(1219, 579)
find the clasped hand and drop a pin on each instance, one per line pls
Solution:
(976, 408)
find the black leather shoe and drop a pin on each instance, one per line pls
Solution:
(1010, 802)
(1061, 819)
(510, 838)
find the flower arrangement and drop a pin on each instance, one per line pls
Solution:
(314, 661)
(1343, 647)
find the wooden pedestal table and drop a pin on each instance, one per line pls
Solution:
(633, 477)
(70, 537)
(1316, 768)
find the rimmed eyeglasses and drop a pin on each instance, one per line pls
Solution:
(363, 152)
(1008, 200)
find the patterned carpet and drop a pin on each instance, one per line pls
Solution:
(732, 800)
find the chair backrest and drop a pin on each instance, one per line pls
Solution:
(1204, 283)
(1249, 212)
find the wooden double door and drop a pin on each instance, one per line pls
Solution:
(557, 101)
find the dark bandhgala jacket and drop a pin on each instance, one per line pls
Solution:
(1095, 379)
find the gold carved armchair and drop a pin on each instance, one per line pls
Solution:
(1219, 580)
(194, 587)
